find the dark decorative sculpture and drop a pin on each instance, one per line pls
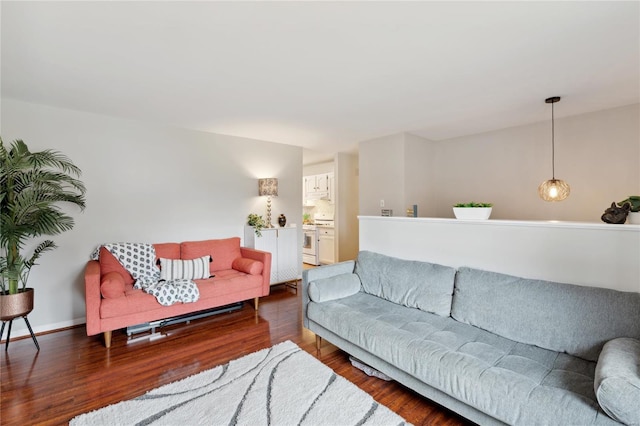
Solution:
(615, 214)
(282, 220)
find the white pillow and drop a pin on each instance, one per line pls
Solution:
(192, 269)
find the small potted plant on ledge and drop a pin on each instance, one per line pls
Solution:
(634, 211)
(472, 211)
(31, 186)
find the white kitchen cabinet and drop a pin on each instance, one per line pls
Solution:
(322, 183)
(318, 187)
(309, 186)
(332, 188)
(282, 243)
(326, 246)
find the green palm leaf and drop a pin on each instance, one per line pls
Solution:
(31, 186)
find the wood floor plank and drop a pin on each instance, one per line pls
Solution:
(73, 373)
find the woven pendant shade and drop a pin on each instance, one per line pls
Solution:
(554, 190)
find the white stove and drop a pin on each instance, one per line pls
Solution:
(310, 243)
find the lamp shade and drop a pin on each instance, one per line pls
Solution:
(554, 190)
(268, 186)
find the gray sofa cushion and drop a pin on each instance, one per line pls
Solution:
(511, 381)
(332, 288)
(421, 285)
(326, 271)
(560, 317)
(617, 380)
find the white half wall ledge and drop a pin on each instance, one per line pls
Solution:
(583, 253)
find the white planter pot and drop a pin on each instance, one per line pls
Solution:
(633, 218)
(472, 213)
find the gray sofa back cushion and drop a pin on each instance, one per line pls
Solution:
(561, 317)
(421, 285)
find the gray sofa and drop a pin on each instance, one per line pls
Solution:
(494, 348)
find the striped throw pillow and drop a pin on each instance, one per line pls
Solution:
(177, 269)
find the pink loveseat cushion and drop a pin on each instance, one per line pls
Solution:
(248, 266)
(112, 285)
(108, 263)
(223, 252)
(167, 250)
(231, 286)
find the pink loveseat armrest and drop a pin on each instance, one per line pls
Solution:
(265, 258)
(92, 297)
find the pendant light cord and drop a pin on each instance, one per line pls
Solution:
(553, 145)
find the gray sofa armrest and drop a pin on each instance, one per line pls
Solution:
(617, 380)
(327, 271)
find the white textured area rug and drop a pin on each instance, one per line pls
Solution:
(282, 385)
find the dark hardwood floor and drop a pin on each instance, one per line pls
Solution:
(73, 373)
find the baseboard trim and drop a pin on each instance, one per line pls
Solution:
(22, 332)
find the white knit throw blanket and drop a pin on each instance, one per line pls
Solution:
(139, 260)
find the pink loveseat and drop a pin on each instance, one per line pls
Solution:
(112, 303)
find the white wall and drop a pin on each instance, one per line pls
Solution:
(382, 173)
(596, 153)
(318, 169)
(398, 169)
(145, 183)
(591, 254)
(420, 178)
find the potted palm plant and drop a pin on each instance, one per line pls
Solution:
(32, 184)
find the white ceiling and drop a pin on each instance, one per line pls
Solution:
(324, 75)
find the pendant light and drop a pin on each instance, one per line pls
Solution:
(553, 189)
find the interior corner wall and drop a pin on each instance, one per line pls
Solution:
(347, 181)
(596, 153)
(381, 164)
(145, 183)
(419, 175)
(398, 169)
